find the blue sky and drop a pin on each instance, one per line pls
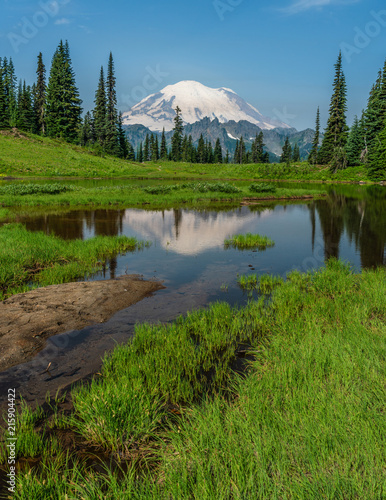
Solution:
(278, 55)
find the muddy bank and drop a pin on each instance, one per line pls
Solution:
(28, 319)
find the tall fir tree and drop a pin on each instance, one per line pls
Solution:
(257, 150)
(100, 111)
(286, 154)
(313, 156)
(377, 157)
(140, 153)
(296, 153)
(191, 150)
(240, 151)
(112, 140)
(25, 113)
(10, 88)
(355, 143)
(86, 134)
(40, 97)
(201, 153)
(122, 139)
(217, 152)
(3, 116)
(178, 130)
(184, 148)
(146, 148)
(375, 114)
(334, 142)
(163, 149)
(63, 112)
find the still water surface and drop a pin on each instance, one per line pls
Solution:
(187, 253)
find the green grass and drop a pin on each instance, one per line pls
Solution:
(305, 420)
(248, 241)
(35, 156)
(264, 284)
(192, 194)
(42, 260)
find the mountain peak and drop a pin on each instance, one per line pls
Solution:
(196, 101)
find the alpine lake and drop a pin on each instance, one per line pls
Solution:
(187, 254)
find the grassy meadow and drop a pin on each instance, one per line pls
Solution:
(283, 398)
(28, 155)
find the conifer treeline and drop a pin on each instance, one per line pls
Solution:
(54, 108)
(183, 149)
(365, 142)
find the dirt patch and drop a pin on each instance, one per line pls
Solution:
(27, 319)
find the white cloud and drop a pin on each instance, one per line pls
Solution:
(63, 20)
(302, 5)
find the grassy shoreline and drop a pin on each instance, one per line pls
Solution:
(43, 260)
(302, 419)
(190, 195)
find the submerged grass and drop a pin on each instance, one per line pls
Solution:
(249, 240)
(264, 283)
(306, 420)
(42, 260)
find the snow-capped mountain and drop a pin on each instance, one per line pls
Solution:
(196, 102)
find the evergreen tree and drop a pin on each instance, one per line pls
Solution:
(209, 153)
(266, 157)
(146, 149)
(163, 149)
(154, 153)
(112, 139)
(226, 159)
(296, 153)
(240, 151)
(257, 150)
(3, 116)
(375, 113)
(63, 112)
(334, 142)
(100, 111)
(130, 152)
(377, 157)
(191, 151)
(201, 153)
(40, 97)
(217, 152)
(313, 156)
(355, 143)
(86, 134)
(140, 154)
(122, 139)
(184, 149)
(177, 136)
(237, 152)
(286, 155)
(25, 113)
(10, 88)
